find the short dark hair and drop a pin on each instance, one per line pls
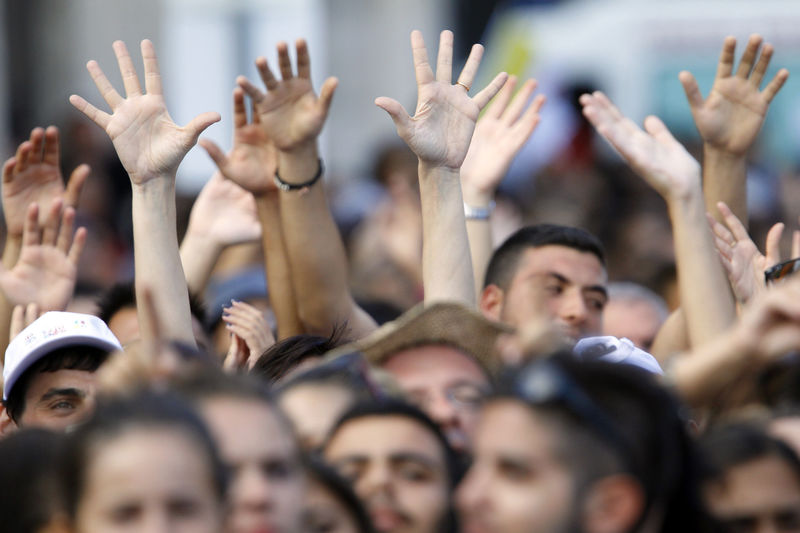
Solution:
(286, 355)
(87, 358)
(145, 409)
(504, 261)
(328, 477)
(123, 295)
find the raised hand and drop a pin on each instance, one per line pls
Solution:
(289, 112)
(33, 175)
(251, 335)
(740, 256)
(224, 214)
(46, 271)
(148, 142)
(653, 152)
(252, 161)
(499, 135)
(730, 118)
(439, 133)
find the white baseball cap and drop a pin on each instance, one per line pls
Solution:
(614, 350)
(49, 332)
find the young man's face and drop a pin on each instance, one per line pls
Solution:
(556, 283)
(515, 484)
(57, 400)
(398, 469)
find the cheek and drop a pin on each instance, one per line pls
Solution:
(426, 503)
(544, 507)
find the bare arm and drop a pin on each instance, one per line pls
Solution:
(150, 146)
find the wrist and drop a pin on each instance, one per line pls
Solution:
(723, 155)
(427, 170)
(476, 198)
(201, 242)
(298, 165)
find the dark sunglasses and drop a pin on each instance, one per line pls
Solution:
(545, 383)
(781, 270)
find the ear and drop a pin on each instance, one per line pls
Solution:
(613, 505)
(491, 302)
(7, 426)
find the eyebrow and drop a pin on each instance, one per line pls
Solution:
(401, 457)
(55, 393)
(591, 288)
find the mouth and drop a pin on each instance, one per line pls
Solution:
(387, 519)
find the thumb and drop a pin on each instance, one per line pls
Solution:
(773, 246)
(199, 123)
(691, 89)
(395, 110)
(215, 152)
(326, 94)
(75, 185)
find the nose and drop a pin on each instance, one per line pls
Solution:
(441, 410)
(574, 310)
(251, 491)
(376, 480)
(469, 492)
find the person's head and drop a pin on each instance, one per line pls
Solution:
(634, 312)
(548, 272)
(288, 356)
(752, 481)
(117, 308)
(30, 496)
(316, 398)
(257, 444)
(400, 466)
(579, 446)
(441, 356)
(50, 366)
(331, 505)
(143, 464)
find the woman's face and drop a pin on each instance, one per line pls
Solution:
(152, 480)
(325, 513)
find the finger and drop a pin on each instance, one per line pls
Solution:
(17, 321)
(198, 124)
(254, 116)
(77, 179)
(725, 251)
(762, 65)
(31, 314)
(749, 56)
(531, 117)
(499, 103)
(719, 229)
(266, 74)
(152, 74)
(519, 101)
(467, 76)
(655, 127)
(773, 246)
(37, 143)
(100, 118)
(733, 223)
(64, 238)
(51, 146)
(23, 156)
(483, 97)
(251, 90)
(725, 65)
(444, 59)
(30, 230)
(399, 115)
(692, 90)
(8, 169)
(326, 95)
(795, 244)
(284, 61)
(775, 85)
(109, 94)
(422, 69)
(52, 222)
(215, 152)
(239, 110)
(130, 80)
(303, 59)
(78, 244)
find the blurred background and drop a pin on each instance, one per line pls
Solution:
(631, 49)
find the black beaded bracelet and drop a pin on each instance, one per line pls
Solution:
(282, 185)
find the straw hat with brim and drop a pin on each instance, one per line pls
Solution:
(447, 323)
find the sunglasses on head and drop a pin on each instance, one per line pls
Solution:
(781, 270)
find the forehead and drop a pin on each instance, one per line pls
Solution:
(533, 439)
(434, 365)
(581, 268)
(378, 437)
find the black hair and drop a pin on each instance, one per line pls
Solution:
(730, 445)
(86, 358)
(30, 496)
(328, 477)
(659, 451)
(143, 410)
(348, 371)
(123, 296)
(286, 355)
(504, 261)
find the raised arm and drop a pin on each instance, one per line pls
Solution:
(150, 146)
(729, 120)
(499, 135)
(666, 165)
(251, 164)
(439, 134)
(292, 116)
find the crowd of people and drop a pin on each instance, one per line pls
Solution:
(487, 384)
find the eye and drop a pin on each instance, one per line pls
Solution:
(554, 289)
(350, 471)
(596, 303)
(63, 406)
(514, 470)
(415, 472)
(125, 514)
(278, 470)
(183, 508)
